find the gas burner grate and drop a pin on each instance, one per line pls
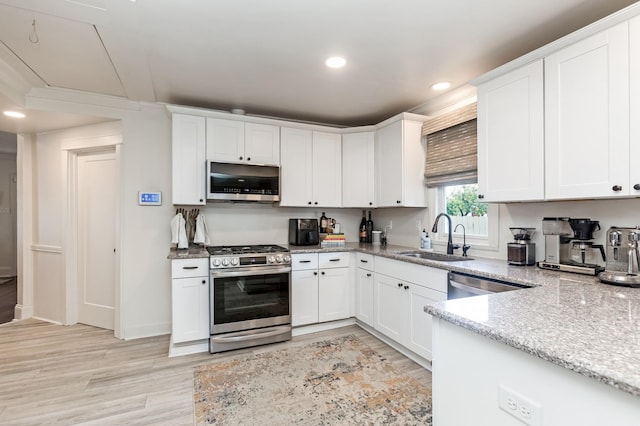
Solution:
(253, 249)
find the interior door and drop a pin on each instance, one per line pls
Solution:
(97, 192)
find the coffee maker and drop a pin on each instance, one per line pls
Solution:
(521, 251)
(623, 257)
(569, 246)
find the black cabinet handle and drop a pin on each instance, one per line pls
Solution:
(616, 188)
(240, 158)
(370, 203)
(201, 200)
(334, 260)
(248, 158)
(322, 272)
(364, 261)
(480, 196)
(309, 203)
(406, 287)
(368, 275)
(189, 267)
(636, 186)
(316, 203)
(315, 273)
(204, 281)
(305, 261)
(400, 285)
(398, 202)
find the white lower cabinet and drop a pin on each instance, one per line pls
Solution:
(190, 300)
(320, 288)
(401, 290)
(364, 288)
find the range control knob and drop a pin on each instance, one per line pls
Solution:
(216, 262)
(234, 261)
(287, 259)
(279, 258)
(271, 259)
(225, 262)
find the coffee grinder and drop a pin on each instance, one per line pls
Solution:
(569, 246)
(521, 251)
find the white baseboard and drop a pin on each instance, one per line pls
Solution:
(188, 348)
(23, 312)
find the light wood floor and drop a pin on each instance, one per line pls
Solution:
(51, 374)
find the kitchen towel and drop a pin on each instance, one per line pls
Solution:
(179, 231)
(202, 233)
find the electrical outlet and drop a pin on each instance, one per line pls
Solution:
(523, 409)
(389, 225)
(418, 225)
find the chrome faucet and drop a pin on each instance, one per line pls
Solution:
(450, 245)
(465, 247)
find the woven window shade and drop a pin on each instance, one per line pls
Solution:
(452, 148)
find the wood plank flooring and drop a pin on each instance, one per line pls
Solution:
(51, 374)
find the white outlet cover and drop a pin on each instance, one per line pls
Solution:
(522, 408)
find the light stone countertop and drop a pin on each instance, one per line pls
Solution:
(571, 320)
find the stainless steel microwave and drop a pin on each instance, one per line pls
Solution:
(242, 182)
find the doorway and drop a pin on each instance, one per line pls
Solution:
(96, 215)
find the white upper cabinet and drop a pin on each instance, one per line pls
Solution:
(358, 178)
(511, 136)
(310, 173)
(634, 127)
(188, 160)
(233, 141)
(587, 122)
(400, 155)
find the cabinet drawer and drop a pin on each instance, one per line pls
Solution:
(304, 261)
(433, 278)
(364, 261)
(186, 268)
(333, 260)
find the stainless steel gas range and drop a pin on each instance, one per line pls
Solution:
(250, 296)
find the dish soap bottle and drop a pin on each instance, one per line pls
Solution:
(425, 241)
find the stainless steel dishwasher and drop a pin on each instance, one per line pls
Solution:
(461, 285)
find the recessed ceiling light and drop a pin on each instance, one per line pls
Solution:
(14, 114)
(335, 62)
(442, 85)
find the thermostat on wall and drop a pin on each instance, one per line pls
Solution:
(148, 198)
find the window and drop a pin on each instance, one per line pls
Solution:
(451, 175)
(461, 203)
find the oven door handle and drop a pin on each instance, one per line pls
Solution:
(272, 332)
(250, 271)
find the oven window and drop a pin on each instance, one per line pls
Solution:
(250, 297)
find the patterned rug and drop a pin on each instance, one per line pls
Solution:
(332, 382)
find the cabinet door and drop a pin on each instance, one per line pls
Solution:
(587, 117)
(358, 189)
(296, 164)
(391, 310)
(389, 166)
(334, 294)
(327, 169)
(419, 336)
(414, 150)
(262, 144)
(511, 136)
(304, 297)
(188, 160)
(190, 309)
(634, 139)
(364, 296)
(225, 140)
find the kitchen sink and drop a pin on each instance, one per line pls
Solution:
(430, 255)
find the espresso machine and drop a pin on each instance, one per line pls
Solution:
(569, 246)
(623, 257)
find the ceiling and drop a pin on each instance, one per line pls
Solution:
(267, 57)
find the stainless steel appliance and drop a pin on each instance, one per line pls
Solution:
(304, 232)
(569, 246)
(461, 285)
(623, 257)
(242, 182)
(521, 251)
(250, 292)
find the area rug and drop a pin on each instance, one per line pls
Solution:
(340, 381)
